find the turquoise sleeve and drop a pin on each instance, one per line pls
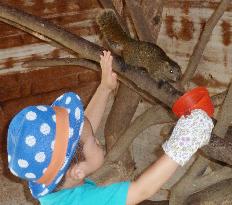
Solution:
(89, 194)
(114, 194)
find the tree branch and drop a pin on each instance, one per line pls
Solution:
(225, 115)
(218, 99)
(153, 10)
(33, 33)
(162, 91)
(212, 178)
(204, 38)
(183, 189)
(155, 115)
(140, 23)
(141, 81)
(83, 63)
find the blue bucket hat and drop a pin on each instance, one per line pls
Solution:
(31, 137)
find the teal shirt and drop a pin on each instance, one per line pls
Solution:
(89, 194)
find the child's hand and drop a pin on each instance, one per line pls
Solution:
(190, 133)
(109, 78)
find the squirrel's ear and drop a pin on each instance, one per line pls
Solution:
(166, 63)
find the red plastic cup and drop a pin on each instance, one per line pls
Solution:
(197, 98)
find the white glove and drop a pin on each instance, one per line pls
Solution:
(190, 133)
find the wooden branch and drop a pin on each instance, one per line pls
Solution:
(33, 33)
(217, 194)
(224, 118)
(83, 63)
(153, 10)
(140, 23)
(218, 99)
(204, 38)
(126, 102)
(141, 81)
(214, 177)
(162, 91)
(184, 188)
(155, 115)
(62, 62)
(219, 149)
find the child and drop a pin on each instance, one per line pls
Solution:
(43, 140)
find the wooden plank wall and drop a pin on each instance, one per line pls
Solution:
(18, 90)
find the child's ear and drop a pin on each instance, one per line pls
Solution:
(77, 172)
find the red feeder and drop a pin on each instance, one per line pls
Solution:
(197, 98)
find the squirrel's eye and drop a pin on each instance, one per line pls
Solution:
(171, 71)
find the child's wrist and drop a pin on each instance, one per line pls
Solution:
(104, 88)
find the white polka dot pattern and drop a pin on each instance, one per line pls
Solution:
(40, 157)
(30, 175)
(9, 158)
(81, 128)
(77, 113)
(78, 97)
(23, 163)
(44, 170)
(44, 192)
(42, 108)
(68, 100)
(52, 145)
(31, 116)
(68, 110)
(65, 162)
(30, 140)
(54, 118)
(37, 141)
(59, 98)
(70, 132)
(58, 179)
(45, 129)
(13, 172)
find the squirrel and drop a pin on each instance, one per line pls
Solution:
(138, 53)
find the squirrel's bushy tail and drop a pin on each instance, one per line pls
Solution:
(110, 27)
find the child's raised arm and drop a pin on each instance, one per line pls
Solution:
(189, 134)
(97, 104)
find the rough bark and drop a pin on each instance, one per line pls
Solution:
(218, 99)
(153, 10)
(225, 115)
(120, 115)
(183, 189)
(218, 194)
(140, 23)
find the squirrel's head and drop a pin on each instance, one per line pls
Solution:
(171, 70)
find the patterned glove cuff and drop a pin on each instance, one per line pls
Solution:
(180, 155)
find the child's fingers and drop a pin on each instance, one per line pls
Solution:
(110, 63)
